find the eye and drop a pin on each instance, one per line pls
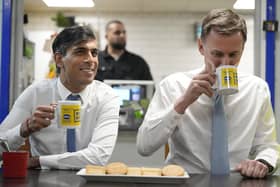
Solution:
(79, 52)
(233, 55)
(120, 32)
(94, 52)
(217, 54)
(117, 32)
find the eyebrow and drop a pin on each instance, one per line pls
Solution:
(119, 31)
(95, 49)
(215, 51)
(84, 48)
(218, 51)
(78, 47)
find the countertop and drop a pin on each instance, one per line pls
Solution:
(61, 178)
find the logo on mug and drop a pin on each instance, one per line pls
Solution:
(70, 115)
(227, 79)
(66, 117)
(77, 115)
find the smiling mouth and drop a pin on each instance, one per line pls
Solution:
(87, 69)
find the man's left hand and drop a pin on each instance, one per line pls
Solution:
(252, 168)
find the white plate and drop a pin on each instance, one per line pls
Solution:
(133, 179)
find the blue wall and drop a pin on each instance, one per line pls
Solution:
(5, 58)
(270, 50)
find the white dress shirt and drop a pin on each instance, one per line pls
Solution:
(251, 124)
(95, 139)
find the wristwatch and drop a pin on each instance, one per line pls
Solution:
(270, 167)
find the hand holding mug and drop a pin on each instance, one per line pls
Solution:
(41, 118)
(200, 84)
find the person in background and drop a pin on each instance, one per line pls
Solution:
(181, 110)
(115, 62)
(32, 116)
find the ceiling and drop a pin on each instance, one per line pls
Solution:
(136, 6)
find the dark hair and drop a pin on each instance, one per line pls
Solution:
(71, 36)
(112, 22)
(223, 21)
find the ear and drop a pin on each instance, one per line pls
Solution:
(58, 60)
(200, 46)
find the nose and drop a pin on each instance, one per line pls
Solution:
(122, 34)
(226, 61)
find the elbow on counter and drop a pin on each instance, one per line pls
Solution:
(142, 151)
(143, 146)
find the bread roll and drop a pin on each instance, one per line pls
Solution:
(96, 170)
(134, 171)
(151, 171)
(116, 168)
(173, 170)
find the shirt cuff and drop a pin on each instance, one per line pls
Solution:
(270, 167)
(175, 114)
(47, 162)
(270, 156)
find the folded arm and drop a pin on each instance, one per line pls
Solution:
(100, 147)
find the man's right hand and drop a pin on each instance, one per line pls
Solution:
(201, 84)
(41, 118)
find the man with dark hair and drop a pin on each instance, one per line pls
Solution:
(115, 62)
(33, 114)
(183, 110)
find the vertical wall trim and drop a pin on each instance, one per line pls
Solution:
(270, 50)
(259, 39)
(5, 58)
(16, 61)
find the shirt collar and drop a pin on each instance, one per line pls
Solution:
(107, 55)
(64, 92)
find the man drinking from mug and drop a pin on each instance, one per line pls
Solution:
(207, 131)
(33, 114)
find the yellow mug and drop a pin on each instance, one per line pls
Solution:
(68, 114)
(227, 79)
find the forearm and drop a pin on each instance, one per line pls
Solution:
(97, 152)
(25, 130)
(95, 155)
(181, 105)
